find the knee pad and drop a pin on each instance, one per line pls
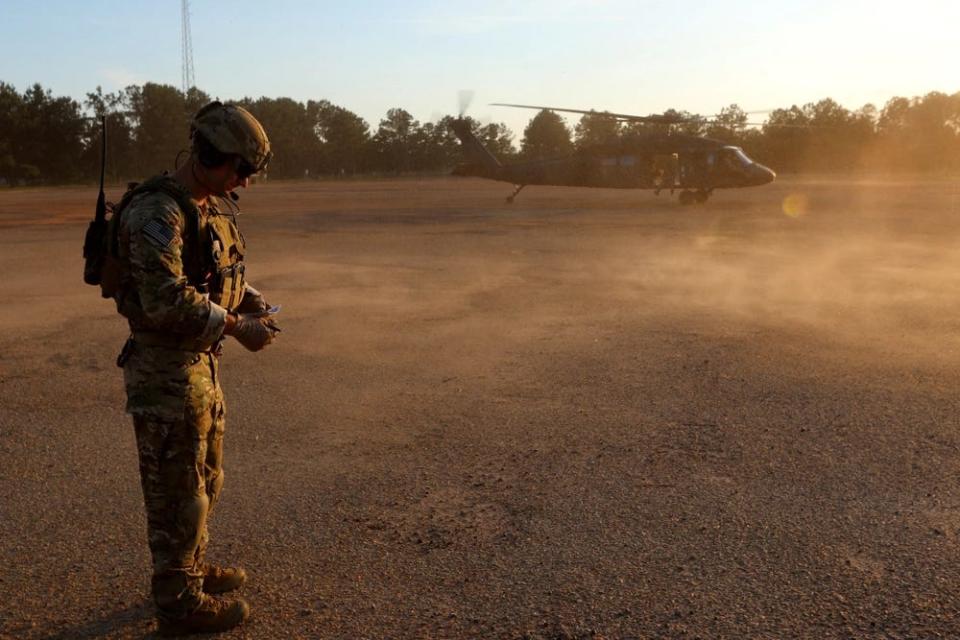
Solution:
(190, 524)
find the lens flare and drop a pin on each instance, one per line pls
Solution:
(795, 205)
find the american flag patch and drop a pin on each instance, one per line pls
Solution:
(158, 233)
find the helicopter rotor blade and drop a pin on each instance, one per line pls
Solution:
(663, 118)
(625, 117)
(792, 126)
(530, 106)
(749, 113)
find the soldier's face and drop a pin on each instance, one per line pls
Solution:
(225, 178)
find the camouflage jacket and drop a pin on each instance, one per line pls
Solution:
(181, 272)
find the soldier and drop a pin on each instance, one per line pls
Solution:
(182, 290)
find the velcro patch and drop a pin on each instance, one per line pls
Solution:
(158, 233)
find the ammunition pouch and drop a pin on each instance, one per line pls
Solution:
(226, 259)
(227, 286)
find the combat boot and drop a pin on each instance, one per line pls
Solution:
(222, 579)
(212, 616)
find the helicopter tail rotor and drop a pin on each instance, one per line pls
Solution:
(464, 97)
(479, 160)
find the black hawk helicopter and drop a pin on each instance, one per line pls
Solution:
(660, 160)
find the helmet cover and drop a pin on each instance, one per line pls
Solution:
(233, 130)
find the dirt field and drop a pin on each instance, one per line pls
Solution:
(591, 414)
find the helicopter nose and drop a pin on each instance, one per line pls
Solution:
(762, 174)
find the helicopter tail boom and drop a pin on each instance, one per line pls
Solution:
(477, 154)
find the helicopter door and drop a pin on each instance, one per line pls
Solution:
(666, 170)
(694, 169)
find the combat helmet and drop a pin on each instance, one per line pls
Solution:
(233, 130)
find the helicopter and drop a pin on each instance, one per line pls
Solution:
(660, 160)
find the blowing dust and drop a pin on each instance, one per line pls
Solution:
(871, 264)
(396, 268)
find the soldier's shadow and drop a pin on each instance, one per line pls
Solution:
(135, 620)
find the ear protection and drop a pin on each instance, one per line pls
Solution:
(208, 155)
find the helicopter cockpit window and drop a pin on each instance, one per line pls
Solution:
(734, 157)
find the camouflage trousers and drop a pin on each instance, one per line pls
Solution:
(181, 467)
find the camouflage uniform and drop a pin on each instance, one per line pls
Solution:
(182, 272)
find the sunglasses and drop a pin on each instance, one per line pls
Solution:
(244, 169)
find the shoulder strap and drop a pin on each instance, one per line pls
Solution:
(163, 184)
(167, 185)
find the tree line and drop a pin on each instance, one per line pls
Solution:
(47, 139)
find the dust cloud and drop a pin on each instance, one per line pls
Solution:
(871, 263)
(870, 260)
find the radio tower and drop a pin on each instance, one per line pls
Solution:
(186, 47)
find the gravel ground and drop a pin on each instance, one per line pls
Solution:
(591, 414)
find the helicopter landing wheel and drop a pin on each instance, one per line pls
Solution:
(687, 197)
(514, 194)
(701, 196)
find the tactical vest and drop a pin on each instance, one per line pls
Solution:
(213, 250)
(226, 247)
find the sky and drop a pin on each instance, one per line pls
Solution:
(639, 57)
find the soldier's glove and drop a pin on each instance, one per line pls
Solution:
(254, 330)
(252, 301)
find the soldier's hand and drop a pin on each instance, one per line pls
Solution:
(252, 301)
(253, 330)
